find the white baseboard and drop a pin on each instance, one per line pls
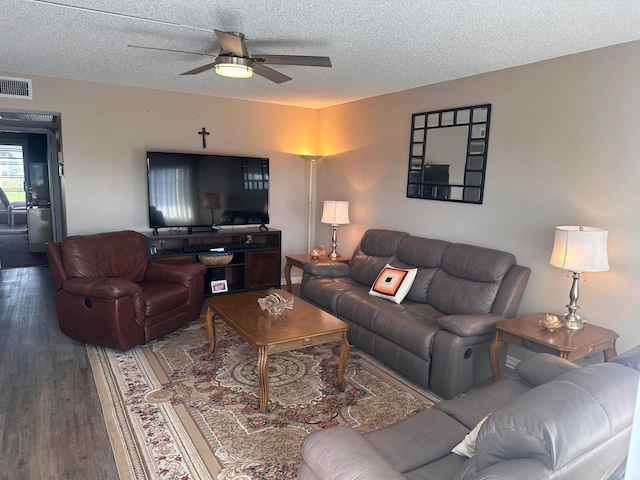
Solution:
(511, 362)
(294, 279)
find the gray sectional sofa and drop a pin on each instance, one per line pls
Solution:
(554, 421)
(439, 336)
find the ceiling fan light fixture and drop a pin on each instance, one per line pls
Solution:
(234, 67)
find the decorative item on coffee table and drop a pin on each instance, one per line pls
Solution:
(275, 303)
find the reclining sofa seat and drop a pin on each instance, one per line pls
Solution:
(439, 336)
(108, 293)
(553, 420)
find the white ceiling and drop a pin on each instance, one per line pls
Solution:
(376, 46)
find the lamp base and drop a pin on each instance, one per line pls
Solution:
(572, 320)
(574, 325)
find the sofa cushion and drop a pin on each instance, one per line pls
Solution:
(375, 250)
(114, 255)
(325, 291)
(469, 279)
(393, 283)
(361, 308)
(417, 440)
(424, 253)
(412, 325)
(470, 409)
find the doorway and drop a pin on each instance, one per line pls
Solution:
(29, 165)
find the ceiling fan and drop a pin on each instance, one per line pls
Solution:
(234, 59)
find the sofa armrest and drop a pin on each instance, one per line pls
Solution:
(103, 287)
(327, 269)
(174, 272)
(630, 358)
(469, 325)
(341, 453)
(542, 368)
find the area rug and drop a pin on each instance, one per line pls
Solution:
(174, 411)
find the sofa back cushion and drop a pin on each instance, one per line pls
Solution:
(375, 250)
(468, 279)
(424, 253)
(579, 412)
(114, 254)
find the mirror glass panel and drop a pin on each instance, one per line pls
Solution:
(448, 154)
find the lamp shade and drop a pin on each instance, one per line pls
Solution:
(211, 200)
(580, 249)
(335, 212)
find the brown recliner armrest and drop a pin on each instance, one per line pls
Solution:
(101, 287)
(184, 273)
(107, 288)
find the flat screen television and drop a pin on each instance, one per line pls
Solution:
(195, 191)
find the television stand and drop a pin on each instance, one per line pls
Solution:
(256, 262)
(212, 228)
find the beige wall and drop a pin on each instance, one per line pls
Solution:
(564, 149)
(106, 131)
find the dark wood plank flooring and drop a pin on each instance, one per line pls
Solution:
(51, 423)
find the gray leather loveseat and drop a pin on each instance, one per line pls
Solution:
(555, 421)
(439, 336)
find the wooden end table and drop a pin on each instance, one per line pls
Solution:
(301, 260)
(570, 344)
(303, 326)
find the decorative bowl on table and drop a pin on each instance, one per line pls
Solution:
(550, 322)
(215, 259)
(275, 303)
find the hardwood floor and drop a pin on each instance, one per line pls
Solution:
(51, 424)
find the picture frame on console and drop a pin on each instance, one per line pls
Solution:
(219, 286)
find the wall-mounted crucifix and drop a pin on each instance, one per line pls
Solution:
(204, 134)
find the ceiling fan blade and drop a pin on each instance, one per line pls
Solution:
(201, 69)
(307, 61)
(171, 50)
(270, 73)
(232, 43)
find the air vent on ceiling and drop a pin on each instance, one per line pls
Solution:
(11, 87)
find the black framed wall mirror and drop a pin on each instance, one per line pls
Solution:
(448, 154)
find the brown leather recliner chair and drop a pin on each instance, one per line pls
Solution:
(108, 293)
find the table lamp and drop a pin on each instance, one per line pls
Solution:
(212, 201)
(336, 213)
(579, 249)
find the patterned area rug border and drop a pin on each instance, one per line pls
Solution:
(158, 432)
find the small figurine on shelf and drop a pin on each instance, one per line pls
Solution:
(314, 253)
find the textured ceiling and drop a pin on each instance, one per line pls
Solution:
(376, 46)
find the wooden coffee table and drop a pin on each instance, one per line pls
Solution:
(303, 326)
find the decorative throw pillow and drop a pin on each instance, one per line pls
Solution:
(393, 283)
(467, 447)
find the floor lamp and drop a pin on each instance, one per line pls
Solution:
(311, 159)
(335, 213)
